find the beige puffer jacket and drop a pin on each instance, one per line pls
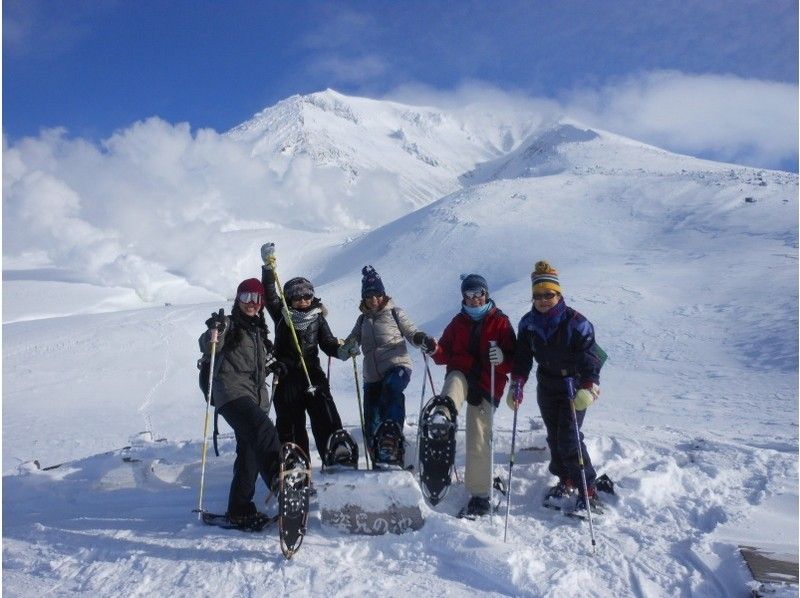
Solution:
(383, 339)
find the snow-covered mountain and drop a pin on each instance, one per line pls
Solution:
(418, 152)
(687, 268)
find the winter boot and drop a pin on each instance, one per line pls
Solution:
(555, 496)
(478, 506)
(594, 502)
(244, 517)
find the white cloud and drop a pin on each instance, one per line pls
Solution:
(723, 117)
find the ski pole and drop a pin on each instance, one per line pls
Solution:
(272, 393)
(571, 391)
(491, 437)
(214, 340)
(361, 413)
(288, 319)
(510, 467)
(419, 420)
(428, 370)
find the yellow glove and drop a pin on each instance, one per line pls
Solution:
(585, 397)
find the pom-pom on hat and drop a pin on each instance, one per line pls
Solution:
(544, 278)
(473, 282)
(297, 287)
(251, 285)
(371, 283)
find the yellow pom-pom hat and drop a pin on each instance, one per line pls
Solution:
(544, 278)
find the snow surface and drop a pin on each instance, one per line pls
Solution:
(691, 286)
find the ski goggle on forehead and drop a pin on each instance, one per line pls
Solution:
(474, 293)
(249, 297)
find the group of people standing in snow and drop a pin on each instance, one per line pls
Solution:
(559, 338)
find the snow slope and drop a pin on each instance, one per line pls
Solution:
(692, 288)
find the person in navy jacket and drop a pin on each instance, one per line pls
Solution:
(562, 342)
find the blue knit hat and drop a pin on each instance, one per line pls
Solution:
(371, 283)
(473, 282)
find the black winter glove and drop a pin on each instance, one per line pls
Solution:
(217, 321)
(425, 342)
(278, 368)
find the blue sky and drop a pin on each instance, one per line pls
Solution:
(95, 67)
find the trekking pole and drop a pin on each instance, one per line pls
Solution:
(361, 413)
(272, 392)
(214, 340)
(510, 467)
(287, 317)
(419, 419)
(428, 370)
(491, 438)
(571, 391)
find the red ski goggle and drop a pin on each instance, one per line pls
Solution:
(249, 297)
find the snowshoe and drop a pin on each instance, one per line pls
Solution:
(499, 485)
(249, 523)
(557, 497)
(604, 484)
(477, 507)
(293, 498)
(342, 451)
(437, 447)
(388, 445)
(578, 507)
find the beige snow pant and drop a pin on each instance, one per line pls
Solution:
(478, 476)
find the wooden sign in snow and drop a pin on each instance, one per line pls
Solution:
(770, 567)
(370, 502)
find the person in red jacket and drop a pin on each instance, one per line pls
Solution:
(465, 348)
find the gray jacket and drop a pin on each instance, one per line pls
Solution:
(382, 341)
(240, 371)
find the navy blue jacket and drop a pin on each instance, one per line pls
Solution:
(562, 342)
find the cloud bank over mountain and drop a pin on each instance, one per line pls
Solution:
(157, 199)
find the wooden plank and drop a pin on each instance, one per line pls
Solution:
(770, 567)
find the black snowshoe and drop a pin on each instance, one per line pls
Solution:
(437, 447)
(250, 523)
(559, 496)
(388, 445)
(293, 498)
(342, 451)
(477, 506)
(578, 508)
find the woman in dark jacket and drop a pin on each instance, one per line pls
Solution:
(562, 342)
(292, 396)
(240, 395)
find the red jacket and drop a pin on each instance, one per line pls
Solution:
(458, 350)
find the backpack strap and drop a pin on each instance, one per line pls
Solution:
(397, 320)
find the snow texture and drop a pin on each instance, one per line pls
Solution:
(687, 268)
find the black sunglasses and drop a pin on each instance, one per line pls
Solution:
(305, 297)
(547, 296)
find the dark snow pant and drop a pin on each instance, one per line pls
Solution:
(385, 400)
(292, 401)
(554, 405)
(257, 451)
